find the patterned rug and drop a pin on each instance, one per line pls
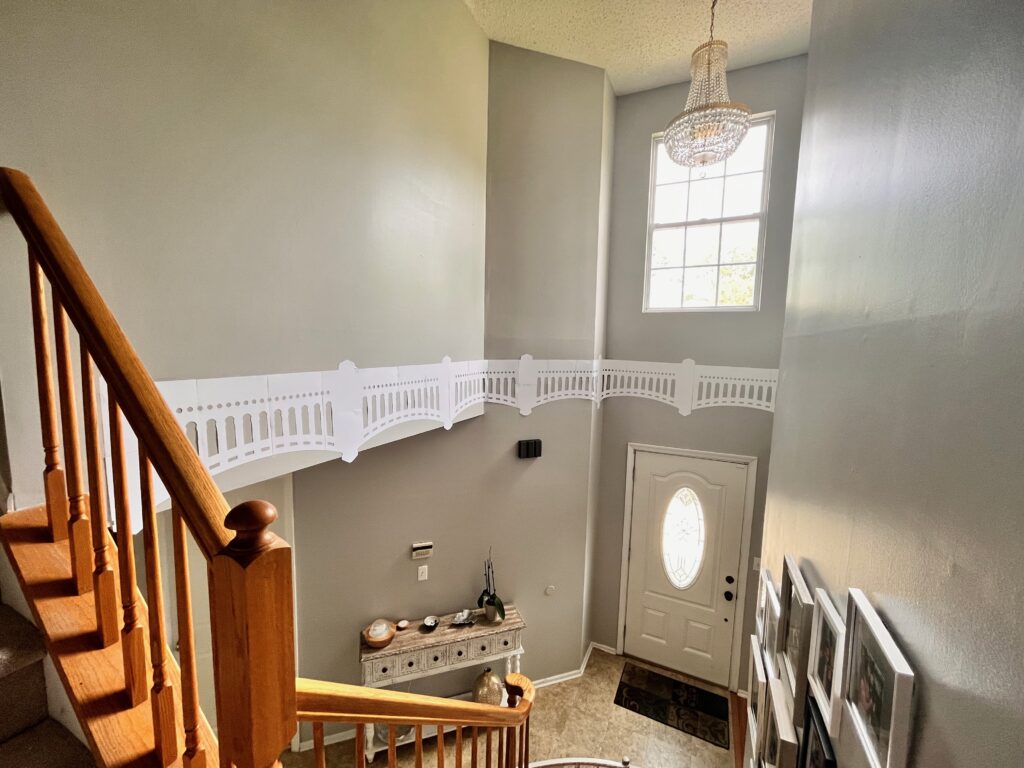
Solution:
(690, 709)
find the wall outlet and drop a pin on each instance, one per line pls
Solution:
(757, 565)
(421, 573)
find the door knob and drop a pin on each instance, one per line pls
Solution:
(728, 595)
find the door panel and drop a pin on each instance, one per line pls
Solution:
(686, 530)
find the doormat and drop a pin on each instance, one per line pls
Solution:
(690, 709)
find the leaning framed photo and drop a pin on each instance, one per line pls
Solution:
(815, 747)
(878, 686)
(825, 661)
(764, 585)
(770, 624)
(757, 685)
(779, 744)
(794, 640)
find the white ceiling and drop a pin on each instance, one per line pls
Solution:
(646, 43)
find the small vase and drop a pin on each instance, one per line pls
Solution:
(491, 613)
(488, 688)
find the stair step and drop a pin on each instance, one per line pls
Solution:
(20, 642)
(47, 745)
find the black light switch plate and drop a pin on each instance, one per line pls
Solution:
(528, 449)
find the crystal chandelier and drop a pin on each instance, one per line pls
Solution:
(710, 128)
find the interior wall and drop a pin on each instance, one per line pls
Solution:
(897, 451)
(711, 338)
(254, 189)
(465, 490)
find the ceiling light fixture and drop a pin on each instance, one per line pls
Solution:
(710, 127)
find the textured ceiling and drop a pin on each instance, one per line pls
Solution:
(646, 43)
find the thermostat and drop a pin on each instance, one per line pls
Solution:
(422, 550)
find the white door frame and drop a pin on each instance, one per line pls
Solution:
(632, 449)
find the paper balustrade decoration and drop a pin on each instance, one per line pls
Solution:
(241, 419)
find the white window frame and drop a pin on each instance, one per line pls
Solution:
(761, 117)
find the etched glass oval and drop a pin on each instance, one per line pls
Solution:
(682, 538)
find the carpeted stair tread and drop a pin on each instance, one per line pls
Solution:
(20, 642)
(47, 745)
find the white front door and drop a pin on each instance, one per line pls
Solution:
(684, 553)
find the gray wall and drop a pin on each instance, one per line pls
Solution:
(714, 338)
(253, 189)
(549, 133)
(897, 449)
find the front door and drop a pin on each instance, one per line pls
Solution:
(684, 553)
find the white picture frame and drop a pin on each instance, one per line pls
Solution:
(878, 686)
(794, 636)
(825, 661)
(764, 583)
(780, 746)
(757, 692)
(770, 623)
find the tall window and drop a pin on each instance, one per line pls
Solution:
(705, 228)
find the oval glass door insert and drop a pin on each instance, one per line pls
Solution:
(682, 538)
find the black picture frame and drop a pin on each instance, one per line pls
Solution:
(815, 747)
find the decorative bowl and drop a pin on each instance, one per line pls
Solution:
(379, 633)
(430, 623)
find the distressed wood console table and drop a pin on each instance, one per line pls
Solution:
(415, 654)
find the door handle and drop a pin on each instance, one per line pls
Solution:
(728, 595)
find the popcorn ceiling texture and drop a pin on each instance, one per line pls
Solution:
(646, 43)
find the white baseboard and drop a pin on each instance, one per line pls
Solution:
(350, 733)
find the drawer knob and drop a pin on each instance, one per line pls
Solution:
(410, 664)
(459, 653)
(483, 647)
(383, 669)
(437, 658)
(506, 642)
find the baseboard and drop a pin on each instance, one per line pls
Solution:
(350, 733)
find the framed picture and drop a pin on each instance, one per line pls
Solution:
(794, 639)
(779, 745)
(816, 747)
(878, 686)
(757, 684)
(825, 661)
(764, 583)
(770, 621)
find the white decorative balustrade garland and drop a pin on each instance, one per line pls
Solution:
(233, 421)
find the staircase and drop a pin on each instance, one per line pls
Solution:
(108, 643)
(28, 737)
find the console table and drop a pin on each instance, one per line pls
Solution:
(416, 653)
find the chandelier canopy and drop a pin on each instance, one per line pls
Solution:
(711, 126)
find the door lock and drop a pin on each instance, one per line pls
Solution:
(728, 595)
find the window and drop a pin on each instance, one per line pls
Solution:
(705, 229)
(682, 538)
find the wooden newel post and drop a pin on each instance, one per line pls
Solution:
(253, 639)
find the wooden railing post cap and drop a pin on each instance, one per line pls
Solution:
(250, 521)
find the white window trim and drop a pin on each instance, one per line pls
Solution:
(769, 118)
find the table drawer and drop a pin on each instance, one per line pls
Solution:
(409, 663)
(506, 641)
(435, 657)
(383, 669)
(481, 646)
(458, 652)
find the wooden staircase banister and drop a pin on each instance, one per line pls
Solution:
(249, 567)
(322, 701)
(202, 505)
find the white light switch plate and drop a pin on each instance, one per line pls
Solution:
(421, 573)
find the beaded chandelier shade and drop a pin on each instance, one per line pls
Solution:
(711, 126)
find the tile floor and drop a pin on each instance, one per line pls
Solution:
(577, 718)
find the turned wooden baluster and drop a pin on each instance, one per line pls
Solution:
(474, 748)
(488, 748)
(79, 531)
(440, 746)
(103, 582)
(360, 746)
(253, 639)
(133, 638)
(195, 754)
(392, 749)
(458, 746)
(319, 755)
(165, 728)
(53, 475)
(419, 746)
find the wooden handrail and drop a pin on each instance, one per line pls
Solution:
(202, 504)
(322, 701)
